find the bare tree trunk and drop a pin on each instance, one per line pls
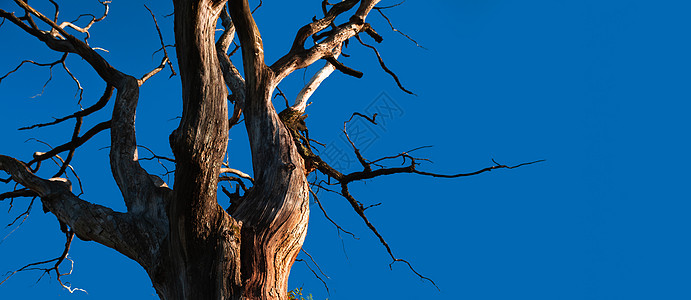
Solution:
(203, 256)
(190, 246)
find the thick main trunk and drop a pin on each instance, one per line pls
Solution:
(209, 254)
(201, 253)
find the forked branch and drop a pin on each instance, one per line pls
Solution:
(298, 57)
(163, 45)
(56, 262)
(372, 169)
(82, 113)
(89, 221)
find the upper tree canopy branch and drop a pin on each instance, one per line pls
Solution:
(383, 66)
(250, 39)
(231, 75)
(66, 42)
(316, 80)
(369, 171)
(82, 113)
(321, 24)
(60, 45)
(163, 45)
(298, 57)
(133, 181)
(86, 28)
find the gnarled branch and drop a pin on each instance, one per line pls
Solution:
(298, 57)
(89, 221)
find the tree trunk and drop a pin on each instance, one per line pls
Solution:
(208, 253)
(189, 245)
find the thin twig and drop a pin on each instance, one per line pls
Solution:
(359, 209)
(163, 45)
(316, 199)
(394, 28)
(258, 6)
(82, 113)
(383, 66)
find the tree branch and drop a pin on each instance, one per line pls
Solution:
(316, 80)
(319, 25)
(298, 57)
(82, 113)
(360, 210)
(68, 43)
(163, 45)
(369, 172)
(69, 235)
(86, 28)
(316, 199)
(89, 221)
(231, 75)
(155, 71)
(343, 68)
(138, 187)
(51, 65)
(250, 39)
(383, 66)
(72, 144)
(379, 9)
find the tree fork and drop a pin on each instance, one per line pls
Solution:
(190, 246)
(202, 259)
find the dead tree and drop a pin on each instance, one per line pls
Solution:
(190, 246)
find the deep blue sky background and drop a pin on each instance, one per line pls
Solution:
(598, 88)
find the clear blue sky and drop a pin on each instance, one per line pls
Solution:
(598, 88)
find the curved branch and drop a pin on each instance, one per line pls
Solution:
(82, 113)
(231, 75)
(238, 173)
(86, 28)
(160, 37)
(65, 42)
(383, 66)
(228, 34)
(89, 221)
(136, 185)
(74, 143)
(360, 210)
(250, 39)
(298, 57)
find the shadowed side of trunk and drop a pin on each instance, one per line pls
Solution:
(209, 254)
(202, 259)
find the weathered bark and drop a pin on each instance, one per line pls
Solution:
(190, 246)
(201, 253)
(275, 212)
(204, 256)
